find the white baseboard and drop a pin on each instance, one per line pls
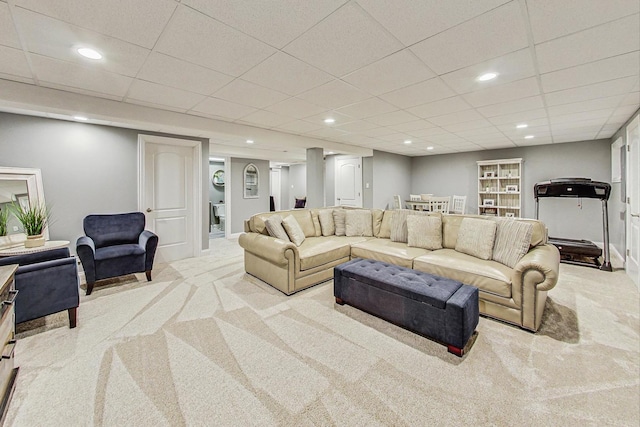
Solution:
(614, 255)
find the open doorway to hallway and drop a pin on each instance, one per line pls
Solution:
(217, 205)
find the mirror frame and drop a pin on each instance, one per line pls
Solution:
(247, 184)
(215, 179)
(35, 189)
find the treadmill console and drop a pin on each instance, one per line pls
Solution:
(573, 187)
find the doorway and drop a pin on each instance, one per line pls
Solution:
(633, 201)
(348, 184)
(217, 198)
(276, 189)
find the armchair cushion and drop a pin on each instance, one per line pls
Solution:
(117, 251)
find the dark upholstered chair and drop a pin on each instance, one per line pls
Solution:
(300, 203)
(47, 282)
(115, 245)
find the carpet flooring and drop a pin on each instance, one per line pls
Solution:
(206, 344)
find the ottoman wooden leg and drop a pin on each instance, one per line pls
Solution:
(339, 301)
(455, 350)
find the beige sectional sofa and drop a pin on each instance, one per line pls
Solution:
(514, 294)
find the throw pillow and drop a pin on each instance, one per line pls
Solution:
(512, 241)
(327, 224)
(399, 232)
(424, 231)
(476, 237)
(275, 228)
(293, 230)
(339, 218)
(385, 227)
(359, 222)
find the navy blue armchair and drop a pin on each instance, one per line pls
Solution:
(115, 245)
(47, 282)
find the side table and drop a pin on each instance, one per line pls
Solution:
(21, 250)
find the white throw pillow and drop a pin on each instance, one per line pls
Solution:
(293, 230)
(424, 231)
(512, 241)
(327, 225)
(399, 232)
(339, 218)
(275, 228)
(359, 222)
(476, 237)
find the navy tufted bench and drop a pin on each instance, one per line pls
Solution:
(433, 306)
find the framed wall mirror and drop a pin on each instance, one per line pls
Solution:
(251, 181)
(218, 178)
(20, 186)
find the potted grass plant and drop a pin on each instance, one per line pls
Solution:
(34, 220)
(4, 218)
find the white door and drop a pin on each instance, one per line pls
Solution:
(349, 181)
(168, 188)
(275, 187)
(633, 200)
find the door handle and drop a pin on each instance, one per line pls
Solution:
(635, 215)
(149, 209)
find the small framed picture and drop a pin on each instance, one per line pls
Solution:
(489, 202)
(489, 174)
(511, 188)
(509, 215)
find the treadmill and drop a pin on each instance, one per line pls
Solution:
(575, 251)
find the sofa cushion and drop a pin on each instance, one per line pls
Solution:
(476, 237)
(317, 251)
(275, 228)
(512, 241)
(376, 218)
(293, 230)
(399, 232)
(424, 231)
(359, 222)
(385, 225)
(117, 251)
(339, 218)
(488, 276)
(303, 216)
(387, 250)
(327, 225)
(451, 225)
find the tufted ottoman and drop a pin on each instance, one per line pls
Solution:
(433, 306)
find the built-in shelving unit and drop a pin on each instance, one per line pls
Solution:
(499, 187)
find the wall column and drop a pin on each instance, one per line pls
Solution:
(315, 177)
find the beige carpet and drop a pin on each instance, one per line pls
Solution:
(205, 344)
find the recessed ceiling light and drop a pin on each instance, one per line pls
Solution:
(429, 148)
(329, 121)
(81, 118)
(407, 141)
(249, 141)
(330, 152)
(487, 76)
(529, 137)
(522, 126)
(87, 52)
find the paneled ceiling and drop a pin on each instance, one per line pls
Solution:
(387, 71)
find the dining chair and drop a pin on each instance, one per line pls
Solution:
(439, 204)
(397, 202)
(415, 197)
(458, 204)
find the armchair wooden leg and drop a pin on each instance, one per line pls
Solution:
(73, 317)
(90, 288)
(148, 273)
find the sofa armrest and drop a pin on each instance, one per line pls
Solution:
(545, 259)
(149, 242)
(86, 251)
(267, 247)
(53, 263)
(36, 257)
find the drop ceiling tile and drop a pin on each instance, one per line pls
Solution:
(474, 124)
(552, 18)
(392, 118)
(345, 41)
(297, 108)
(416, 125)
(14, 63)
(412, 21)
(393, 72)
(334, 94)
(276, 23)
(247, 93)
(419, 93)
(520, 117)
(457, 117)
(196, 38)
(8, 34)
(166, 70)
(481, 133)
(593, 91)
(562, 131)
(523, 104)
(380, 131)
(398, 137)
(513, 133)
(299, 127)
(264, 118)
(510, 67)
(438, 108)
(534, 141)
(612, 39)
(625, 110)
(326, 133)
(574, 138)
(591, 105)
(76, 76)
(328, 114)
(159, 95)
(221, 108)
(503, 93)
(431, 133)
(356, 126)
(510, 127)
(609, 129)
(566, 119)
(367, 108)
(632, 98)
(594, 72)
(56, 39)
(495, 144)
(487, 36)
(287, 74)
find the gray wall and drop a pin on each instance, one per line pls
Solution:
(85, 168)
(457, 174)
(391, 175)
(285, 203)
(241, 208)
(367, 182)
(315, 178)
(297, 182)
